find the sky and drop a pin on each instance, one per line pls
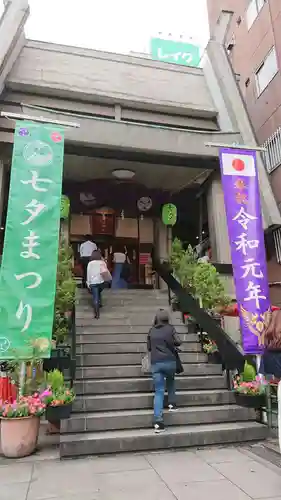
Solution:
(118, 26)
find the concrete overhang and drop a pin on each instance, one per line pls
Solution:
(84, 169)
(116, 135)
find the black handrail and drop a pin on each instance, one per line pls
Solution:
(231, 354)
(73, 345)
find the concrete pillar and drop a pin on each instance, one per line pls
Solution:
(220, 246)
(217, 222)
(161, 245)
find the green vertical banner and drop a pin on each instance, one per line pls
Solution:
(28, 271)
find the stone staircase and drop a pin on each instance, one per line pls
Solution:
(113, 409)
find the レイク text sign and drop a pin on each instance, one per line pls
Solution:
(176, 52)
(244, 220)
(28, 271)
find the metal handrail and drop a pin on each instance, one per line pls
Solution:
(231, 354)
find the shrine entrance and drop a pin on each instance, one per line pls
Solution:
(125, 215)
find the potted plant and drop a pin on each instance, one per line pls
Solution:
(249, 394)
(64, 301)
(20, 422)
(249, 390)
(200, 278)
(183, 263)
(210, 348)
(57, 397)
(209, 288)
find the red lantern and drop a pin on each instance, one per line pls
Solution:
(8, 391)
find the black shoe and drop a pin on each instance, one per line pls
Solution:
(172, 408)
(159, 427)
(97, 313)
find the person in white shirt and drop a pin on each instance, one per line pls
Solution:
(86, 250)
(97, 274)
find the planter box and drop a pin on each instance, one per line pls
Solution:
(250, 401)
(56, 413)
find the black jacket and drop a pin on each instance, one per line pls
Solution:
(162, 341)
(271, 363)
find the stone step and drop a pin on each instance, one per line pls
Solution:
(111, 319)
(88, 337)
(128, 347)
(101, 328)
(126, 301)
(132, 440)
(129, 371)
(132, 401)
(111, 386)
(138, 419)
(143, 320)
(131, 307)
(127, 293)
(105, 360)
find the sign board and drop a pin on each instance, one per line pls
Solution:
(29, 266)
(246, 236)
(145, 258)
(176, 52)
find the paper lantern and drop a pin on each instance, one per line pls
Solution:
(64, 207)
(169, 214)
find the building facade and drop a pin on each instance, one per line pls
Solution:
(151, 118)
(253, 43)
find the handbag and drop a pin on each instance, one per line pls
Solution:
(146, 363)
(105, 274)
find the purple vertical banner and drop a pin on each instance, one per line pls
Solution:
(245, 230)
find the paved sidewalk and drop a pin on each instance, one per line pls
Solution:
(215, 473)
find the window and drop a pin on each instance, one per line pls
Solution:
(253, 10)
(266, 71)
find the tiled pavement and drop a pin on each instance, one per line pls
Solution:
(215, 473)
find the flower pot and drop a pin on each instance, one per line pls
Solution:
(191, 326)
(56, 413)
(175, 306)
(19, 436)
(249, 401)
(214, 358)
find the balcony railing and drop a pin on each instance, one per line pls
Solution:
(272, 155)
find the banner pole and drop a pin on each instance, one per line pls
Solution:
(21, 378)
(39, 119)
(235, 146)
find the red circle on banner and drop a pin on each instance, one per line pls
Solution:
(238, 165)
(56, 137)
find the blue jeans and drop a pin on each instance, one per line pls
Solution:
(117, 281)
(161, 372)
(96, 293)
